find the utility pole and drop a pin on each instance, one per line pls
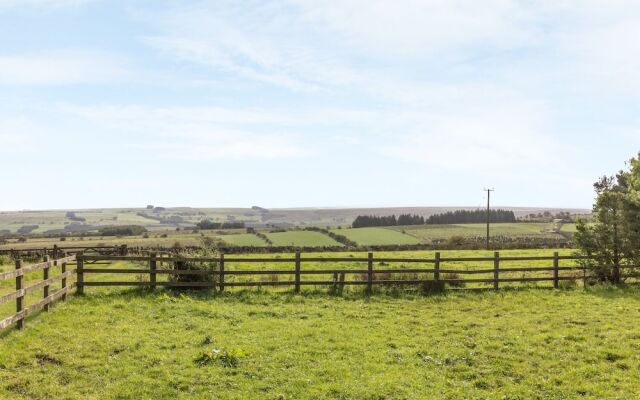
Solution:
(488, 213)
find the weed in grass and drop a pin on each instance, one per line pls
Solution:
(228, 359)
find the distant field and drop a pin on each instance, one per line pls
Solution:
(376, 236)
(242, 239)
(427, 233)
(301, 238)
(57, 219)
(363, 236)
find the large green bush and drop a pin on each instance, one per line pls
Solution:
(612, 242)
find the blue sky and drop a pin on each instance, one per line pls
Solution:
(314, 103)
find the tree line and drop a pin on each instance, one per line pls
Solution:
(449, 217)
(471, 217)
(208, 224)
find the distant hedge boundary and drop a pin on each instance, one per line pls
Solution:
(468, 244)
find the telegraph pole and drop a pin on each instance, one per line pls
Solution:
(488, 213)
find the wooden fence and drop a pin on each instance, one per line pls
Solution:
(369, 276)
(427, 271)
(55, 250)
(23, 289)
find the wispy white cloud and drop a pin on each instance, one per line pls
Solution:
(41, 4)
(490, 141)
(197, 133)
(221, 145)
(61, 67)
(419, 28)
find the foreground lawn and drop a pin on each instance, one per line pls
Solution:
(526, 344)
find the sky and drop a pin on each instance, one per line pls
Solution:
(294, 103)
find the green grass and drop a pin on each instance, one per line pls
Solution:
(301, 238)
(376, 236)
(531, 344)
(570, 228)
(242, 239)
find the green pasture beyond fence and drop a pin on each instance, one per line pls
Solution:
(431, 272)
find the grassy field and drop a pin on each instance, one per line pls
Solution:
(57, 219)
(427, 233)
(166, 238)
(301, 238)
(240, 239)
(529, 344)
(363, 236)
(376, 236)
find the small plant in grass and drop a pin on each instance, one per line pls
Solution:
(228, 359)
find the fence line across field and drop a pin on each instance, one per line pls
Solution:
(297, 272)
(84, 268)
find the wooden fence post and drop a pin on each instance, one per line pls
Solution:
(370, 273)
(297, 272)
(63, 269)
(221, 276)
(436, 266)
(556, 263)
(45, 276)
(80, 273)
(55, 251)
(20, 298)
(153, 265)
(496, 269)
